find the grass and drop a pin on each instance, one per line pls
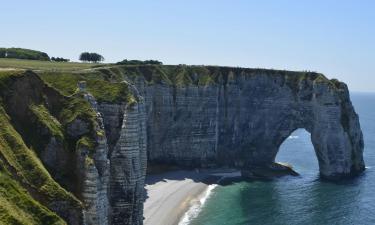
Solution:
(18, 207)
(85, 142)
(101, 89)
(45, 65)
(76, 107)
(183, 75)
(6, 77)
(27, 167)
(50, 122)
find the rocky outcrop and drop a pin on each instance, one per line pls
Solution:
(121, 156)
(242, 118)
(96, 174)
(128, 168)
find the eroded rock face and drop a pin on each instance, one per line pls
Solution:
(128, 168)
(242, 120)
(239, 121)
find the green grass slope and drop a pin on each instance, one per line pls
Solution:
(34, 108)
(18, 207)
(19, 165)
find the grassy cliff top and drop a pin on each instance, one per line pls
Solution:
(183, 75)
(64, 76)
(104, 80)
(38, 65)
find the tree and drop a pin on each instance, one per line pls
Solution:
(85, 56)
(91, 57)
(3, 53)
(152, 62)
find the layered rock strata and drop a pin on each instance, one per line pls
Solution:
(186, 116)
(242, 118)
(113, 184)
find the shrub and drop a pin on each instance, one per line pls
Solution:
(59, 59)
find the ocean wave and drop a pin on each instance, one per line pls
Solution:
(197, 205)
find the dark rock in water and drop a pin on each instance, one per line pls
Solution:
(268, 171)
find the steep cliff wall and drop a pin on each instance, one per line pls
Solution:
(28, 130)
(91, 165)
(94, 144)
(219, 116)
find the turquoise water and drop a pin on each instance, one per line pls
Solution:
(305, 199)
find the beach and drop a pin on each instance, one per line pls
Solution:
(171, 194)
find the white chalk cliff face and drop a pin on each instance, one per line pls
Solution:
(242, 119)
(239, 120)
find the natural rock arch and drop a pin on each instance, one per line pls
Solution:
(242, 119)
(338, 150)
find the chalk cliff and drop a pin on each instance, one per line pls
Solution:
(219, 116)
(94, 143)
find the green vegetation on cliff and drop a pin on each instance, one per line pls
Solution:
(37, 108)
(36, 111)
(18, 207)
(47, 120)
(25, 132)
(22, 165)
(103, 90)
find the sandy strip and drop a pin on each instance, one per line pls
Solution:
(171, 194)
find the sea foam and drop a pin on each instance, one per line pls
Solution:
(197, 205)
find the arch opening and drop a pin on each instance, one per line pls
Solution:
(298, 151)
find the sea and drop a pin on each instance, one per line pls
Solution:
(301, 200)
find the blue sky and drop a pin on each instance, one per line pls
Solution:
(335, 37)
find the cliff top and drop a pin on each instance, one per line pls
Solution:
(106, 81)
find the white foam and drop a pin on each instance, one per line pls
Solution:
(293, 137)
(197, 206)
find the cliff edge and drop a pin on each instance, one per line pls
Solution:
(219, 116)
(78, 154)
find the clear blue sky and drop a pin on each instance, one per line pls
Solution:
(335, 37)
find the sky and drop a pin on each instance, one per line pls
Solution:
(334, 37)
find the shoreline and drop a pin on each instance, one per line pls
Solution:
(176, 197)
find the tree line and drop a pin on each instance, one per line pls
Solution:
(22, 53)
(59, 59)
(139, 62)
